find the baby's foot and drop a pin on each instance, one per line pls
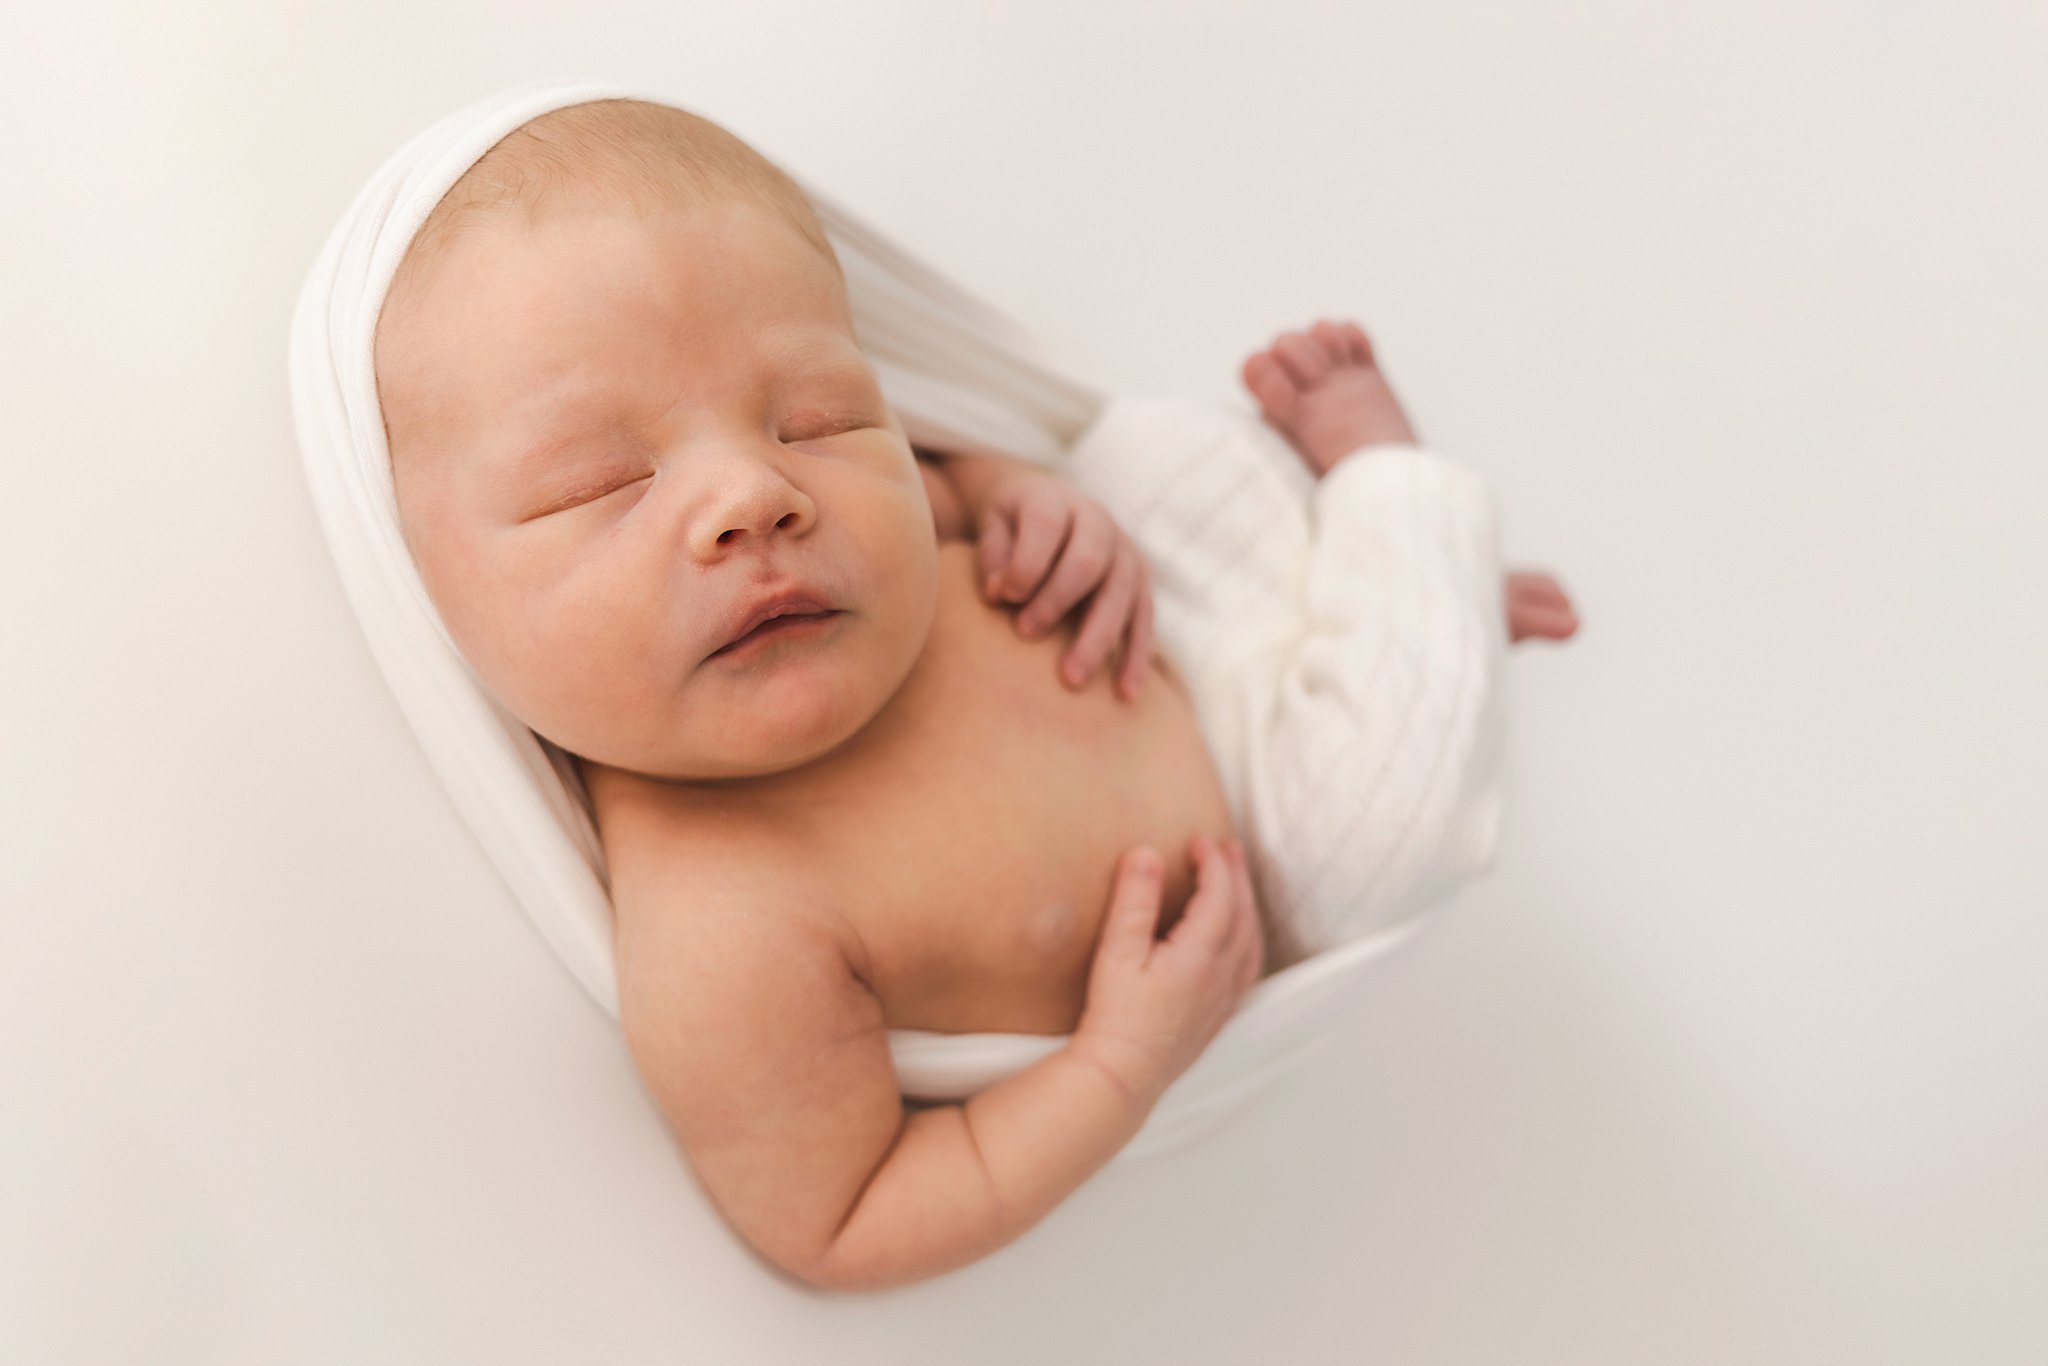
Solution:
(1322, 390)
(1537, 605)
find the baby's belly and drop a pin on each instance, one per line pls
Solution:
(979, 864)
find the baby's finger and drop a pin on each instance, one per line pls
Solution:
(1245, 958)
(1041, 526)
(1083, 562)
(1247, 895)
(1240, 875)
(1130, 927)
(1238, 909)
(1253, 964)
(1105, 622)
(1138, 650)
(1206, 919)
(1251, 949)
(993, 552)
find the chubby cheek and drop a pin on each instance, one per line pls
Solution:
(596, 648)
(567, 650)
(910, 583)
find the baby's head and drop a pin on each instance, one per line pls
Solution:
(624, 403)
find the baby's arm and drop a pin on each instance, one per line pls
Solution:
(757, 1036)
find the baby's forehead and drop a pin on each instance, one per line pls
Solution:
(486, 336)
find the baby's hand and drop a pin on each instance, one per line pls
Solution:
(1033, 515)
(1153, 1004)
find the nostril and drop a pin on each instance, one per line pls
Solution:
(725, 537)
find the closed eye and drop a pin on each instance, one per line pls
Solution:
(586, 496)
(833, 429)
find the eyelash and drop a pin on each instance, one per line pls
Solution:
(585, 497)
(577, 500)
(837, 427)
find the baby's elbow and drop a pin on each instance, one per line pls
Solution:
(819, 1262)
(818, 1273)
(839, 1257)
(838, 1269)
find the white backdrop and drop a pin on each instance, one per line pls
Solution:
(1740, 1056)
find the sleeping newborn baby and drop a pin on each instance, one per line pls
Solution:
(855, 763)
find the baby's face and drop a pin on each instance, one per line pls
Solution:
(610, 434)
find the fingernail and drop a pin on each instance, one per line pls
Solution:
(1073, 673)
(1032, 630)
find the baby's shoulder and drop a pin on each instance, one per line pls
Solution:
(679, 884)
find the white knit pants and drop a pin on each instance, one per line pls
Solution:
(1343, 640)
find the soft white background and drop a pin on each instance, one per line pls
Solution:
(1740, 1056)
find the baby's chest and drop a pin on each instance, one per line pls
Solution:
(980, 861)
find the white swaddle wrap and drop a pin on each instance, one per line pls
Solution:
(960, 377)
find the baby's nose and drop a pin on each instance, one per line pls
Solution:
(735, 533)
(748, 504)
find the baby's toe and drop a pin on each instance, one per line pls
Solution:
(1270, 385)
(1334, 342)
(1303, 357)
(1536, 586)
(1356, 344)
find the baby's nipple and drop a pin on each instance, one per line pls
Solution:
(1049, 928)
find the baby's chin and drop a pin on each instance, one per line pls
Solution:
(774, 742)
(779, 723)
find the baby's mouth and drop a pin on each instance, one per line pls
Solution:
(789, 624)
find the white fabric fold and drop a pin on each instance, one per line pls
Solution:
(961, 377)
